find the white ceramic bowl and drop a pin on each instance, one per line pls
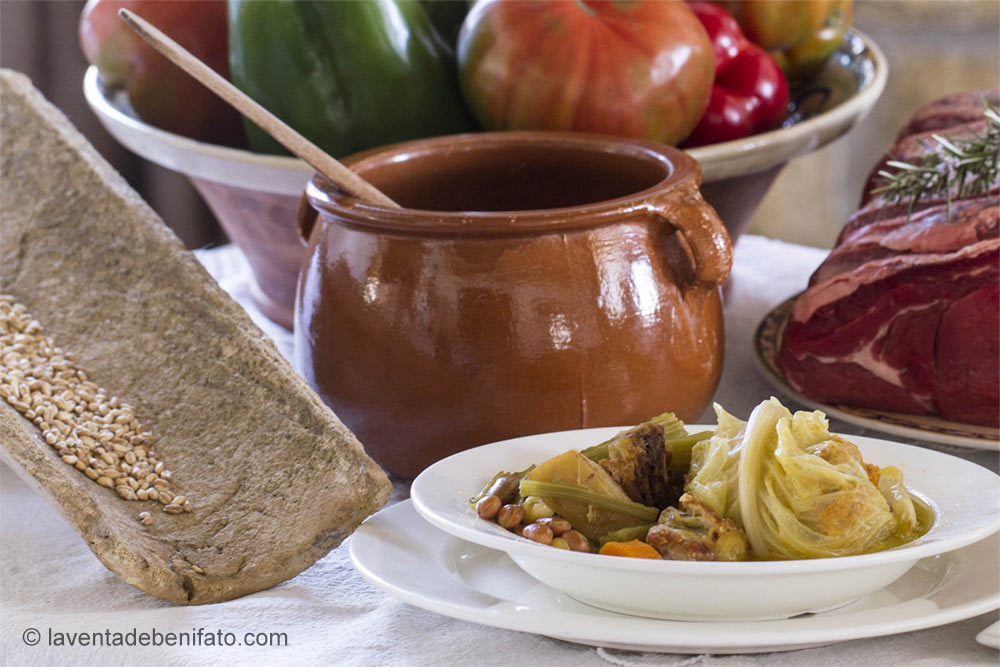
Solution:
(965, 498)
(848, 89)
(219, 164)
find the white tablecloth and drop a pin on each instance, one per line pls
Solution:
(53, 584)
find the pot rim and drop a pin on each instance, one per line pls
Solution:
(682, 171)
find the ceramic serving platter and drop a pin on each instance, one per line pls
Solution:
(839, 97)
(474, 583)
(767, 341)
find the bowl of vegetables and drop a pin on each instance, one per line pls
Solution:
(744, 520)
(419, 69)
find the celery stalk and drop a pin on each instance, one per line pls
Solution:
(673, 428)
(580, 493)
(681, 447)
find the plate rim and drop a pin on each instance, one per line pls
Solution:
(749, 636)
(774, 321)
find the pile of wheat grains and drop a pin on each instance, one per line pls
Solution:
(97, 434)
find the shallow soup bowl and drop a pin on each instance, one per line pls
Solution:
(964, 498)
(533, 281)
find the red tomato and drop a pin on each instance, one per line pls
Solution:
(161, 93)
(632, 68)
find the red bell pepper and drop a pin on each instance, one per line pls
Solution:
(750, 93)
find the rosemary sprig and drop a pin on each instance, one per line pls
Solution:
(965, 166)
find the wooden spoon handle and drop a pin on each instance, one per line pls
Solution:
(322, 162)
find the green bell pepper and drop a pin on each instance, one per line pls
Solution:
(347, 75)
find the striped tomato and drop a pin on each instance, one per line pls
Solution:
(629, 67)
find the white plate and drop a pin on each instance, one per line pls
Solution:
(767, 340)
(990, 636)
(403, 555)
(964, 496)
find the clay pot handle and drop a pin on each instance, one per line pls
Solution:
(306, 219)
(704, 233)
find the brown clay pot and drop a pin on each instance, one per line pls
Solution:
(533, 282)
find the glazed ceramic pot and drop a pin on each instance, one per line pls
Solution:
(532, 282)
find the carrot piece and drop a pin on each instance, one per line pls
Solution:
(631, 549)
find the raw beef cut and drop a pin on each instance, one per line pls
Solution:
(904, 314)
(870, 336)
(875, 207)
(927, 231)
(959, 356)
(958, 109)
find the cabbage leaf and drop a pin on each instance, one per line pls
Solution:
(797, 490)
